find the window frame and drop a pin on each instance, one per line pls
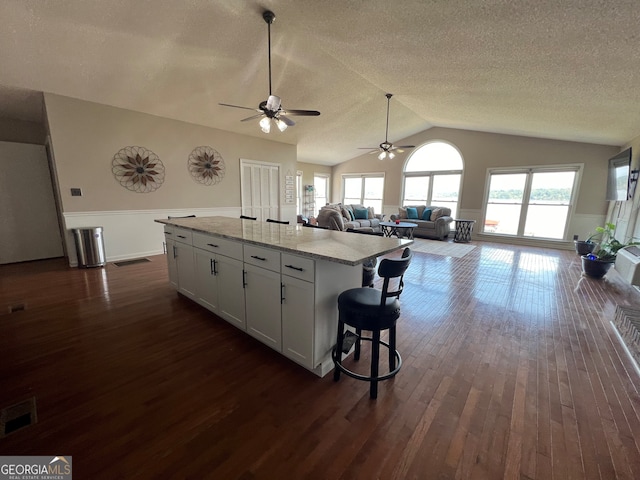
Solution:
(327, 177)
(364, 176)
(430, 174)
(530, 170)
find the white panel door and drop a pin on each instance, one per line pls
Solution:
(260, 189)
(29, 228)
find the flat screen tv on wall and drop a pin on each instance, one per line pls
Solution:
(618, 184)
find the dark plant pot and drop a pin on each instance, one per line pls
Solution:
(595, 268)
(583, 247)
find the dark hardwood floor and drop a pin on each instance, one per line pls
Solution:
(511, 370)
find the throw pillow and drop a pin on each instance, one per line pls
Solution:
(402, 212)
(371, 212)
(361, 214)
(412, 213)
(426, 215)
(345, 213)
(436, 214)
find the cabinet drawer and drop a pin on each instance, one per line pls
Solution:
(298, 267)
(222, 246)
(262, 257)
(169, 232)
(183, 235)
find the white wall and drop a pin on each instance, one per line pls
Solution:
(85, 137)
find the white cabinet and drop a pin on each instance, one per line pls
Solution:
(262, 295)
(298, 320)
(206, 279)
(172, 261)
(219, 278)
(180, 260)
(231, 304)
(287, 301)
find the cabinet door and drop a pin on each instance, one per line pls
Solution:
(186, 270)
(298, 320)
(230, 291)
(172, 262)
(262, 298)
(206, 279)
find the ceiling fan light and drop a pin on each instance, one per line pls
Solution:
(265, 124)
(382, 155)
(281, 125)
(391, 155)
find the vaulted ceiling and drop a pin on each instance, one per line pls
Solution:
(547, 68)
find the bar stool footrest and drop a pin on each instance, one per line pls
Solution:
(338, 363)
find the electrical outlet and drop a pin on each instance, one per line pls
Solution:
(76, 192)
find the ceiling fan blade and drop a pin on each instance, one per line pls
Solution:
(405, 146)
(367, 148)
(305, 113)
(252, 117)
(286, 120)
(237, 106)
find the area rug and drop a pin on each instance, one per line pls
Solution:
(627, 322)
(444, 248)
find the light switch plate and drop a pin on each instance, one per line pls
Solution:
(76, 192)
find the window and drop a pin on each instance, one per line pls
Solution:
(299, 209)
(432, 176)
(533, 202)
(321, 185)
(364, 190)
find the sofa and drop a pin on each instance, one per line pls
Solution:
(435, 224)
(342, 217)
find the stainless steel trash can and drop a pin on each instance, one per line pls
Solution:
(89, 247)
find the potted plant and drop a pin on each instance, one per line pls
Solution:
(603, 255)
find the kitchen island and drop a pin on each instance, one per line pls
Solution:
(279, 283)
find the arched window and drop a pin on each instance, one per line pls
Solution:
(432, 176)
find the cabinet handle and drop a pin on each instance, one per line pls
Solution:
(259, 258)
(281, 293)
(168, 233)
(212, 266)
(181, 236)
(175, 252)
(212, 245)
(295, 268)
(244, 279)
(164, 248)
(215, 267)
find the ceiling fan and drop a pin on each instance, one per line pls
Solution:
(271, 109)
(386, 148)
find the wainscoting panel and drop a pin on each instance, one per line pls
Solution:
(131, 233)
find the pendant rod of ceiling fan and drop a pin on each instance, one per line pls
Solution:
(269, 18)
(269, 35)
(386, 134)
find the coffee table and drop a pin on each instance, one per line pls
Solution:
(392, 228)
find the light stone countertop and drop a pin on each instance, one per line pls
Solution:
(331, 245)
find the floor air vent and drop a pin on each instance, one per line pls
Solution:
(17, 416)
(131, 262)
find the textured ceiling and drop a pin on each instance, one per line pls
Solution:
(563, 69)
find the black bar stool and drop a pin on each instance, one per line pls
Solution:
(373, 310)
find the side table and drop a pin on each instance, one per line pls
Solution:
(463, 230)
